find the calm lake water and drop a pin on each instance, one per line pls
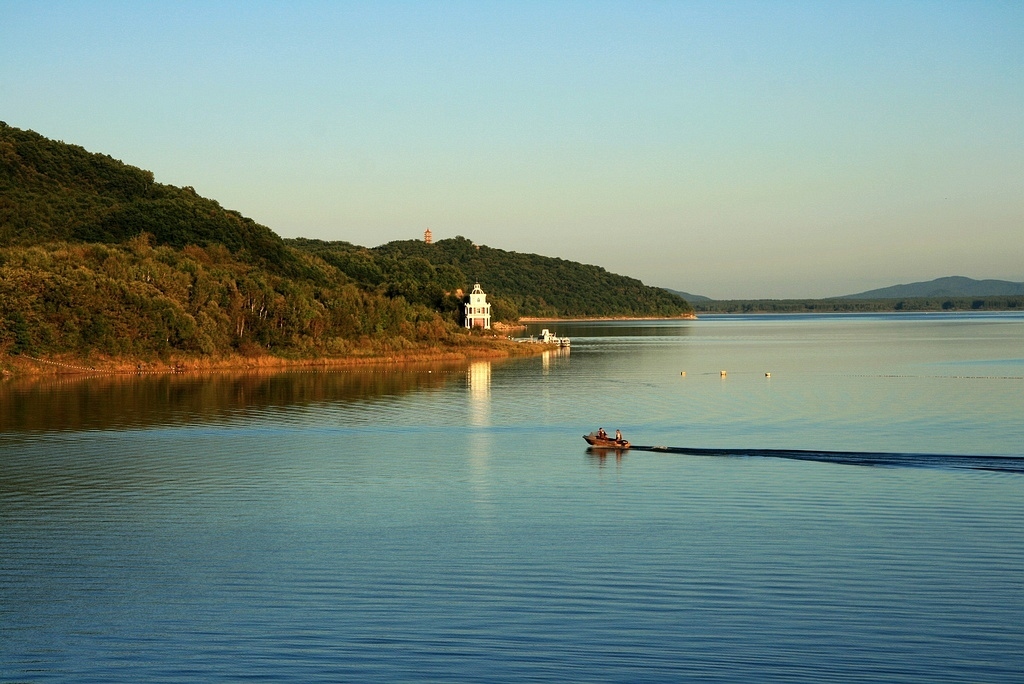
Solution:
(856, 516)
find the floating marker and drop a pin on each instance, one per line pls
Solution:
(723, 374)
(767, 375)
(682, 373)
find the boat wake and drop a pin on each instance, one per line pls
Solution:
(1003, 464)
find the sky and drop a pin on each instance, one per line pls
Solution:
(728, 149)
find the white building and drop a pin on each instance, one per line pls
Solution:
(477, 310)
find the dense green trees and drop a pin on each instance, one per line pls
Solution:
(519, 284)
(51, 191)
(142, 301)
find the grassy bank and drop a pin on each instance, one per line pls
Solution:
(470, 348)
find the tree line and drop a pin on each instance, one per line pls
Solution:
(138, 300)
(518, 284)
(844, 305)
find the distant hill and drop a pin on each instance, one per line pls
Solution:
(952, 286)
(519, 284)
(687, 296)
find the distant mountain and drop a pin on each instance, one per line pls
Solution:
(951, 286)
(687, 296)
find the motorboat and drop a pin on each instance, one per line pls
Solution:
(605, 442)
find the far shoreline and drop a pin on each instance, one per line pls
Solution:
(530, 319)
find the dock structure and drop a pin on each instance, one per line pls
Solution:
(546, 337)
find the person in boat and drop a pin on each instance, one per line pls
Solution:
(618, 436)
(601, 434)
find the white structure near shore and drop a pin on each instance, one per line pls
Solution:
(477, 311)
(547, 337)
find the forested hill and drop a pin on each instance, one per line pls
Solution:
(96, 258)
(519, 284)
(53, 191)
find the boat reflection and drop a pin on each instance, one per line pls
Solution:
(600, 455)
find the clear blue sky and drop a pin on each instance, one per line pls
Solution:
(732, 149)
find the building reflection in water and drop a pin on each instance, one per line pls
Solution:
(478, 378)
(553, 356)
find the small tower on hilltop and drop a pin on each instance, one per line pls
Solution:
(477, 310)
(428, 237)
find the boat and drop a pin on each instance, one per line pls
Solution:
(546, 337)
(605, 442)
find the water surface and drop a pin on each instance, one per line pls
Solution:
(444, 523)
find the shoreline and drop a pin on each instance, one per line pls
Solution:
(531, 319)
(16, 366)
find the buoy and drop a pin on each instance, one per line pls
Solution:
(767, 375)
(682, 373)
(723, 374)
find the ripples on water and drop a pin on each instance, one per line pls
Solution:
(442, 524)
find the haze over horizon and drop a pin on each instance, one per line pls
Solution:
(733, 150)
